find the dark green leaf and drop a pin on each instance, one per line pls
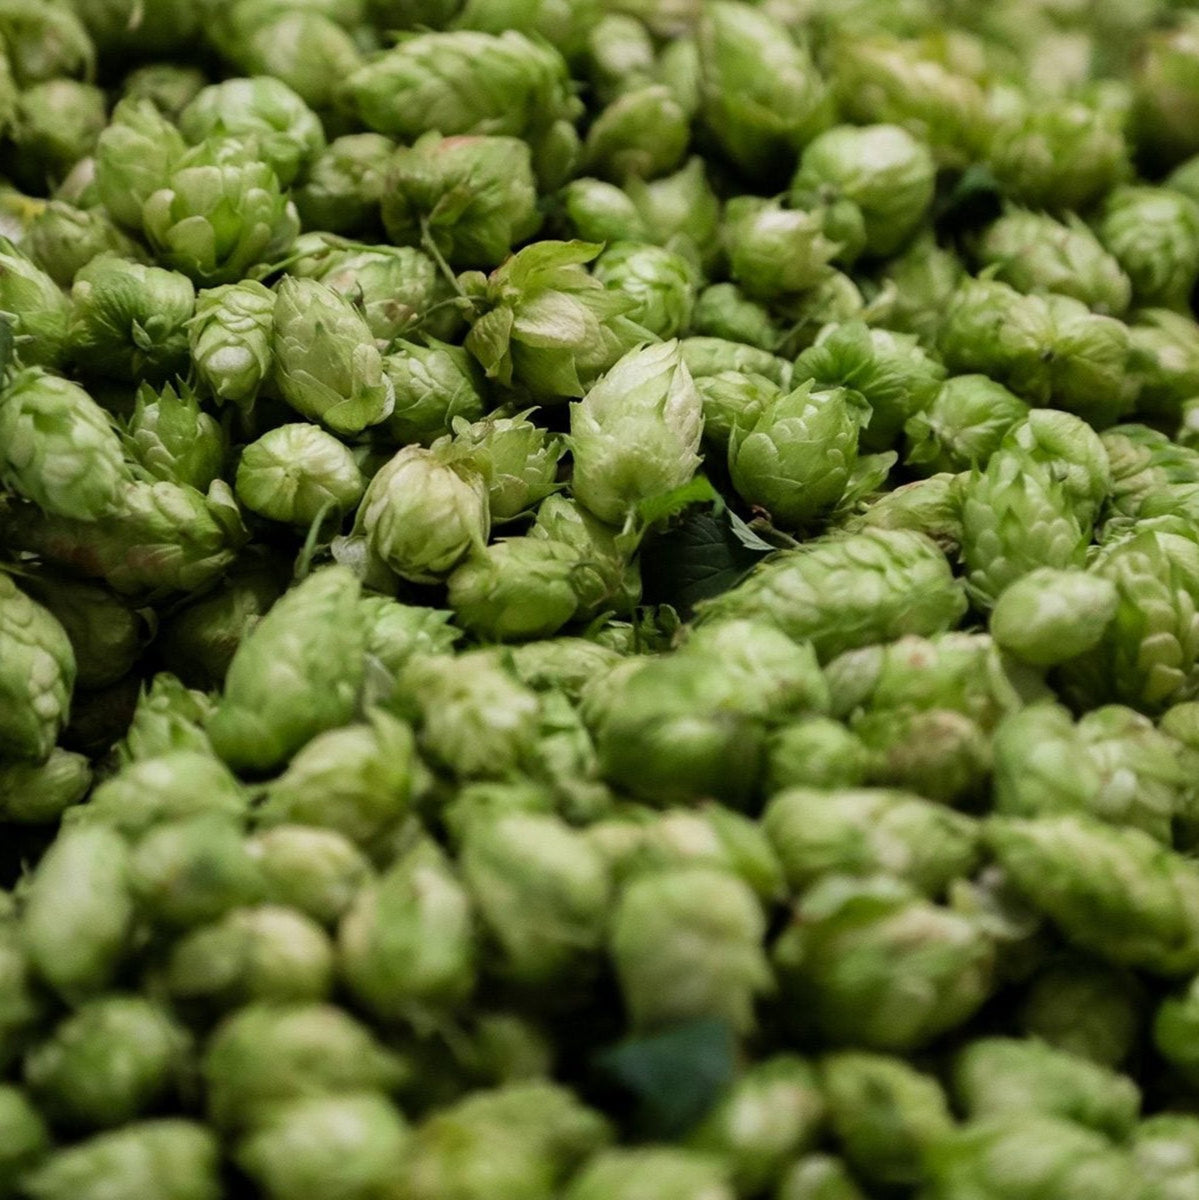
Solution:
(672, 1078)
(662, 507)
(701, 557)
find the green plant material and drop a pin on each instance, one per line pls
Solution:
(164, 1159)
(473, 198)
(997, 1076)
(295, 676)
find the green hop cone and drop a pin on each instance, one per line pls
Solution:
(45, 43)
(816, 752)
(1071, 451)
(1034, 252)
(59, 446)
(514, 589)
(907, 578)
(542, 891)
(620, 55)
(266, 116)
(1057, 154)
(818, 1177)
(166, 1159)
(158, 538)
(761, 95)
(168, 86)
(869, 832)
(607, 576)
(1089, 372)
(880, 79)
(345, 184)
(1173, 1030)
(1147, 655)
(543, 321)
(422, 514)
(595, 211)
(135, 156)
(474, 198)
(297, 674)
(192, 871)
(652, 1173)
(158, 791)
(772, 1113)
(724, 311)
(733, 403)
(796, 459)
(109, 1062)
(466, 82)
(1107, 1000)
(565, 27)
(775, 251)
(994, 330)
(870, 963)
(1016, 518)
(1154, 235)
(37, 675)
(680, 210)
(78, 914)
(351, 1146)
(217, 219)
(128, 321)
(1167, 94)
(56, 123)
(931, 506)
(434, 384)
(1065, 867)
(636, 434)
(1164, 358)
(1027, 1155)
(230, 340)
(26, 1140)
(882, 169)
(475, 719)
(264, 1055)
(298, 473)
(964, 425)
(518, 459)
(358, 780)
(691, 724)
(523, 1139)
(407, 944)
(169, 717)
(327, 366)
(201, 638)
(999, 1076)
(1145, 465)
(1050, 616)
(660, 280)
(39, 793)
(397, 633)
(314, 871)
(641, 134)
(884, 1114)
(39, 311)
(262, 953)
(1164, 1149)
(171, 438)
(686, 944)
(302, 47)
(917, 287)
(62, 239)
(895, 375)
